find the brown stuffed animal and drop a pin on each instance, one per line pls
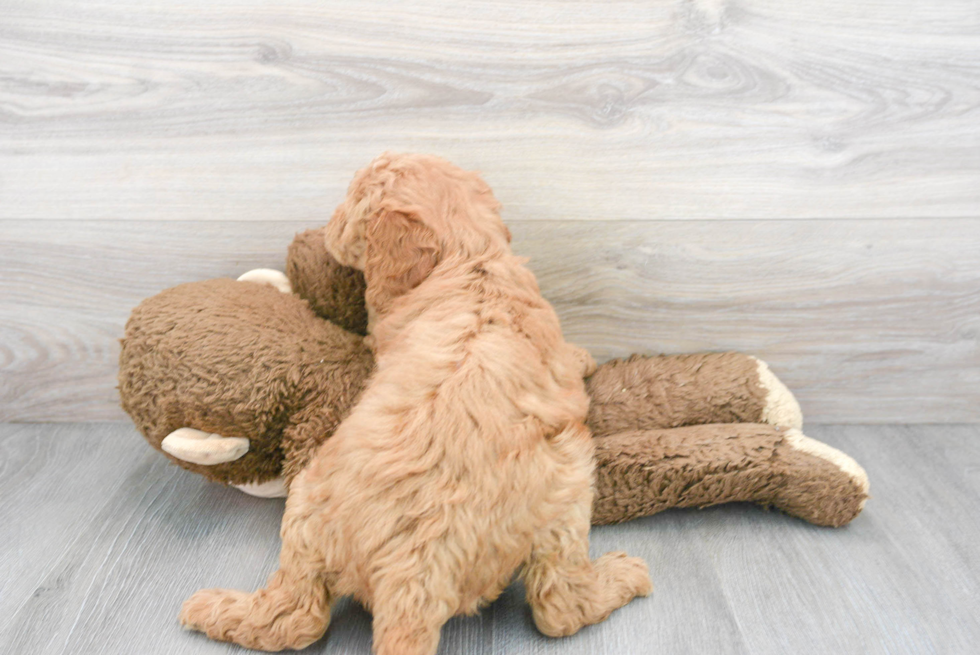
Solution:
(241, 382)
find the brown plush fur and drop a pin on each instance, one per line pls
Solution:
(705, 465)
(640, 393)
(334, 292)
(188, 359)
(467, 456)
(181, 366)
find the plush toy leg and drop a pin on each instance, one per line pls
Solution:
(644, 472)
(268, 276)
(669, 391)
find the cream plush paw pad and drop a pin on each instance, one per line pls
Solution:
(204, 448)
(275, 488)
(268, 276)
(781, 407)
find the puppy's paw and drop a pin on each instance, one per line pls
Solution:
(286, 614)
(215, 612)
(628, 576)
(586, 362)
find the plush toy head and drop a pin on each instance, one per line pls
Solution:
(239, 361)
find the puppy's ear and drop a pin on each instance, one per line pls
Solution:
(344, 236)
(400, 253)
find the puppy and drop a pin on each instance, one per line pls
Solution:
(466, 458)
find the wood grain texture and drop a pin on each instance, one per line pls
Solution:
(707, 109)
(103, 540)
(895, 583)
(867, 321)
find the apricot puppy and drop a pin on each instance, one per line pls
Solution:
(467, 457)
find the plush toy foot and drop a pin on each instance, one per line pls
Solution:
(268, 276)
(822, 485)
(275, 488)
(644, 472)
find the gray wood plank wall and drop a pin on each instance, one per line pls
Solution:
(796, 180)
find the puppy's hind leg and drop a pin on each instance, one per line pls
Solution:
(566, 591)
(292, 611)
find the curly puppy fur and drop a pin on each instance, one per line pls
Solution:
(467, 457)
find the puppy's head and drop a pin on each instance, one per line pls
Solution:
(404, 214)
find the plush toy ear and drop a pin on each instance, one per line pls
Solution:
(401, 252)
(335, 292)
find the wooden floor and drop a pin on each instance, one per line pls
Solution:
(102, 539)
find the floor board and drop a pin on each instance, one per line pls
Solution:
(103, 539)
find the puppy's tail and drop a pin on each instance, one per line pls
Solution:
(291, 612)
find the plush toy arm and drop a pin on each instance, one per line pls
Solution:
(642, 393)
(334, 292)
(644, 472)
